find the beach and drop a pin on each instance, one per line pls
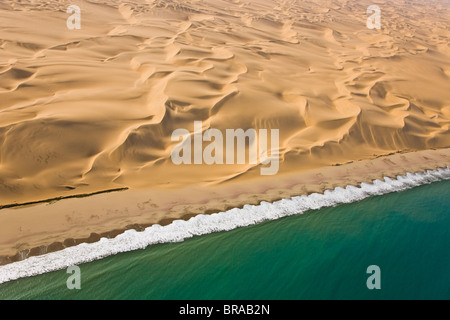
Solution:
(320, 254)
(87, 115)
(54, 225)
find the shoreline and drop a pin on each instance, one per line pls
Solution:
(133, 210)
(220, 222)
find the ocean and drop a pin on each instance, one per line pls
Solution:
(322, 253)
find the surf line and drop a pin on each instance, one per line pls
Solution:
(237, 147)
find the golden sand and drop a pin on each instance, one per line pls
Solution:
(83, 111)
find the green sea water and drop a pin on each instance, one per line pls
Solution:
(319, 255)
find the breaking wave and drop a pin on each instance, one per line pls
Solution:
(204, 224)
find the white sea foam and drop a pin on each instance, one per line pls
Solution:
(205, 224)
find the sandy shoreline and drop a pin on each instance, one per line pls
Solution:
(38, 229)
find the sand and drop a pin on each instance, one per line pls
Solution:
(90, 110)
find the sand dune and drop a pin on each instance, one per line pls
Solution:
(87, 110)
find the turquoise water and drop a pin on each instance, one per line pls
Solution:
(319, 255)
